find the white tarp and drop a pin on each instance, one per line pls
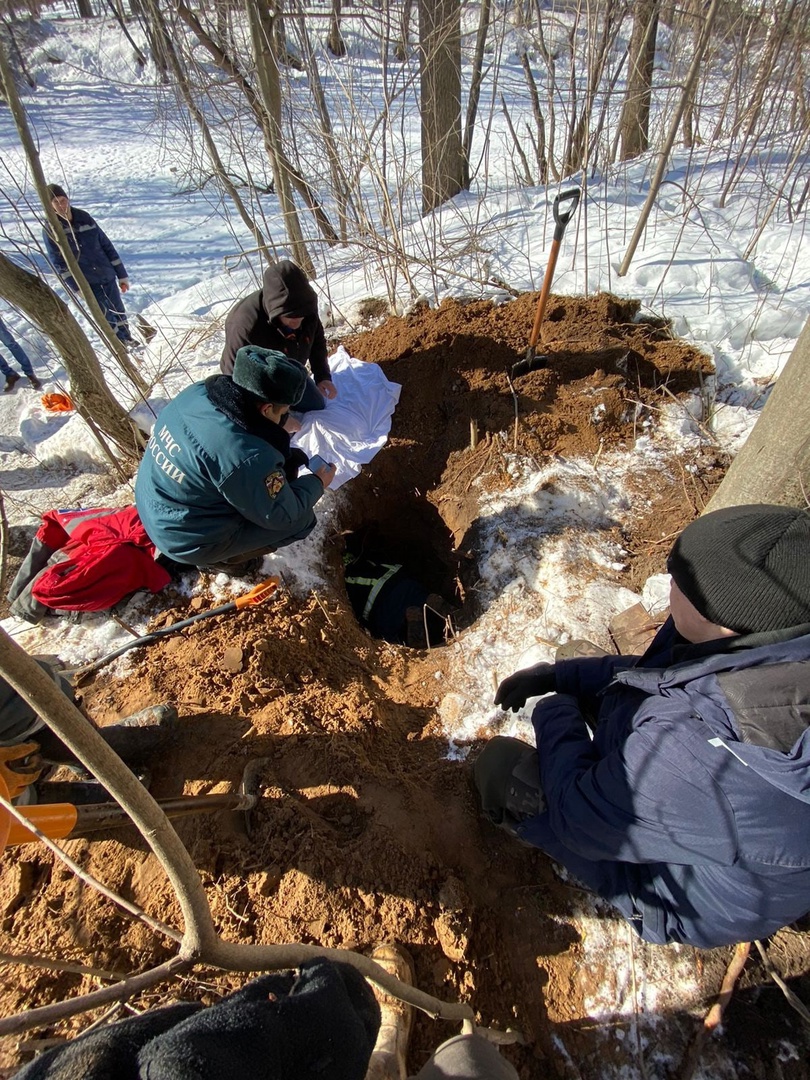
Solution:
(354, 426)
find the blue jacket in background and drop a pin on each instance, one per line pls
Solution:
(671, 812)
(97, 258)
(209, 490)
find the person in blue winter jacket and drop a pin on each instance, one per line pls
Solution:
(218, 484)
(689, 808)
(97, 258)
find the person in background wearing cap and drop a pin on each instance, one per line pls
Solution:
(218, 485)
(97, 258)
(689, 809)
(283, 315)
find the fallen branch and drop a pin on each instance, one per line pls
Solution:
(32, 960)
(200, 943)
(46, 1015)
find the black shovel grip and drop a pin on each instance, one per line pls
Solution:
(563, 217)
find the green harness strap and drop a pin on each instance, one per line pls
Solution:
(376, 584)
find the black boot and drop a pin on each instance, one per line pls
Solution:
(134, 738)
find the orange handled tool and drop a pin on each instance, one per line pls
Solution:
(570, 199)
(60, 821)
(56, 820)
(257, 595)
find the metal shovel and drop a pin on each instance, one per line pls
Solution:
(569, 200)
(65, 820)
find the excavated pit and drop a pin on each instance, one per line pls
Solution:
(604, 368)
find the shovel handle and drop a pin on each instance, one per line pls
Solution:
(258, 593)
(562, 217)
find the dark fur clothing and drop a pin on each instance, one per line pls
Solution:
(242, 407)
(319, 1023)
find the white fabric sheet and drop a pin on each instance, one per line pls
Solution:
(354, 426)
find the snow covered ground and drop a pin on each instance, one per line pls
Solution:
(101, 133)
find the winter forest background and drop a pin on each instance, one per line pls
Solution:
(406, 153)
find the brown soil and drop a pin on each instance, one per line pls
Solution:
(367, 832)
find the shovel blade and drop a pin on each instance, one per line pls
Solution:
(530, 362)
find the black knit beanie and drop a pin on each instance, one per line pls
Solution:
(56, 191)
(270, 375)
(746, 567)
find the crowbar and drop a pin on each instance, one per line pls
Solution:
(561, 217)
(257, 595)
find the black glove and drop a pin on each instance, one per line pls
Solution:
(296, 459)
(530, 682)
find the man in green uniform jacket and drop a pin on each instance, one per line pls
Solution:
(219, 483)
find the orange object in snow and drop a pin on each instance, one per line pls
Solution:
(57, 402)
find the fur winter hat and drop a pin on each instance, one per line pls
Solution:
(270, 375)
(56, 191)
(746, 567)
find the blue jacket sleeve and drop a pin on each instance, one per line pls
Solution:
(646, 802)
(113, 256)
(585, 677)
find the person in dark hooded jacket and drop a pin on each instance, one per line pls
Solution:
(689, 809)
(218, 484)
(283, 315)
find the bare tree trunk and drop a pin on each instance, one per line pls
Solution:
(281, 50)
(598, 53)
(440, 78)
(403, 46)
(635, 118)
(262, 35)
(118, 15)
(524, 161)
(669, 142)
(29, 78)
(88, 391)
(184, 89)
(334, 42)
(551, 66)
(782, 26)
(85, 9)
(340, 182)
(3, 546)
(224, 61)
(539, 122)
(155, 44)
(32, 155)
(773, 466)
(476, 79)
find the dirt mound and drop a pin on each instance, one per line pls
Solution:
(368, 832)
